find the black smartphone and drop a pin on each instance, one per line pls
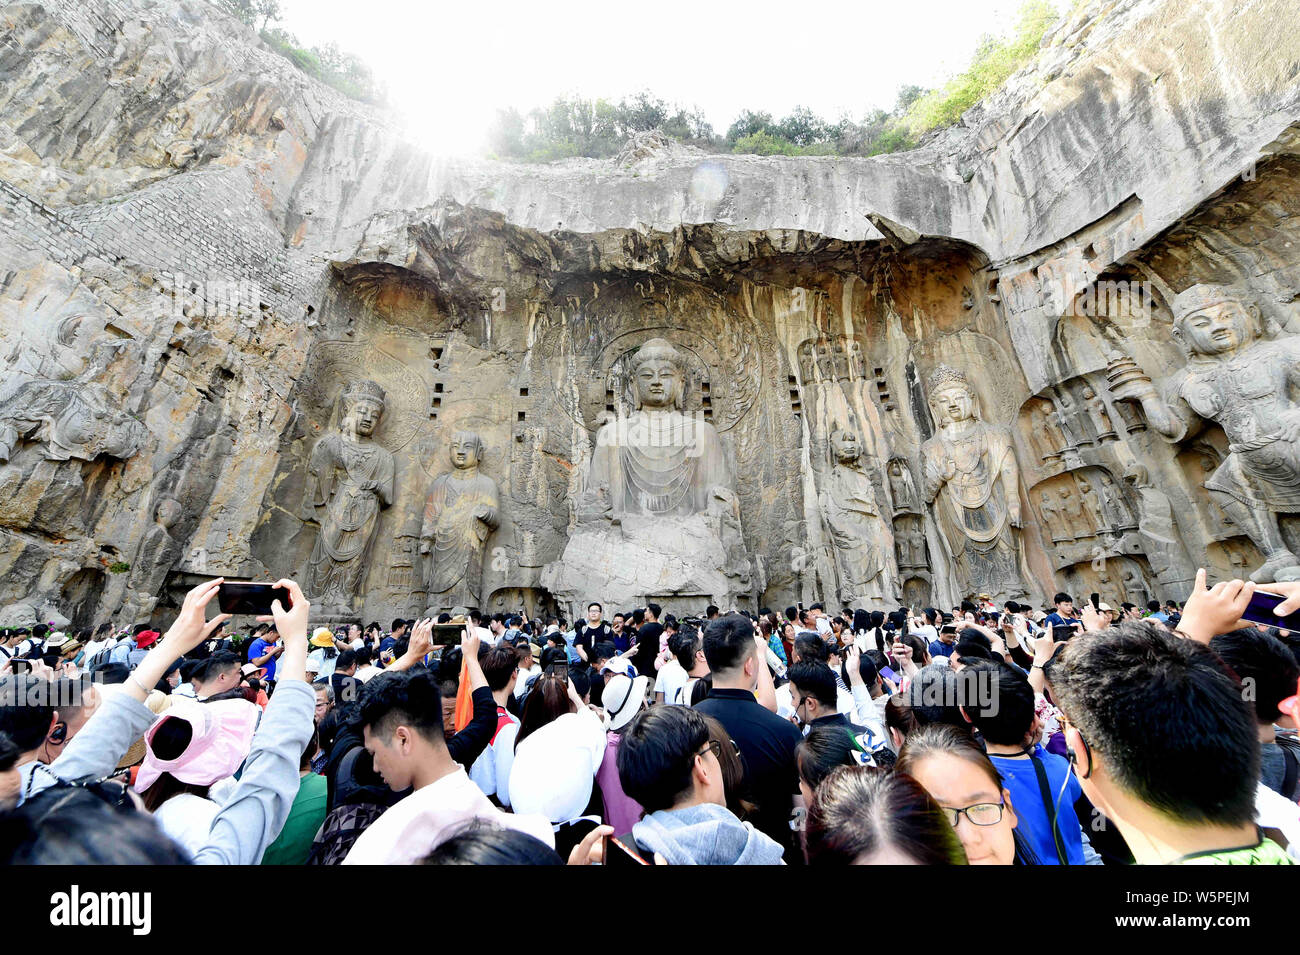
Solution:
(247, 597)
(1260, 610)
(617, 853)
(1061, 634)
(1096, 602)
(20, 665)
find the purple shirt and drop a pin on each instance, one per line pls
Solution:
(621, 810)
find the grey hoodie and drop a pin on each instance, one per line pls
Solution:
(706, 834)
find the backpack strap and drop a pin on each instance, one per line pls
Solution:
(1045, 793)
(1291, 775)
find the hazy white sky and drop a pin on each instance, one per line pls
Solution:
(449, 67)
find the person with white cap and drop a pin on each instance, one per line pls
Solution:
(624, 698)
(554, 771)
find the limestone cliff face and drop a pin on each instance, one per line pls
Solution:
(200, 247)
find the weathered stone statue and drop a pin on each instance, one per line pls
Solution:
(1052, 519)
(462, 509)
(658, 461)
(1098, 413)
(154, 558)
(848, 505)
(902, 487)
(1160, 536)
(973, 482)
(71, 420)
(349, 481)
(1242, 380)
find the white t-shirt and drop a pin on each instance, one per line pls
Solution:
(823, 625)
(671, 678)
(491, 771)
(927, 633)
(407, 831)
(366, 672)
(187, 818)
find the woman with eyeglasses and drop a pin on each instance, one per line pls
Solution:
(968, 788)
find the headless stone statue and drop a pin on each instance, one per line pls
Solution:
(462, 509)
(349, 481)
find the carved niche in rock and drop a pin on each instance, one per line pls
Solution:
(1241, 374)
(460, 512)
(972, 481)
(350, 480)
(902, 488)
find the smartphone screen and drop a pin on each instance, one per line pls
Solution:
(247, 597)
(1260, 610)
(1096, 602)
(20, 665)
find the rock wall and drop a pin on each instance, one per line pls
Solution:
(201, 248)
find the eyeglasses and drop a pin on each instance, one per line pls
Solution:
(713, 745)
(980, 814)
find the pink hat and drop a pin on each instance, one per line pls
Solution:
(221, 734)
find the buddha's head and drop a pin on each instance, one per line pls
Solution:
(845, 445)
(658, 375)
(465, 450)
(951, 396)
(362, 407)
(168, 512)
(1215, 319)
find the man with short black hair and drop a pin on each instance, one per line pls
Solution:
(218, 674)
(401, 717)
(591, 631)
(491, 771)
(815, 698)
(711, 612)
(668, 764)
(1163, 744)
(647, 640)
(766, 741)
(1063, 616)
(1263, 663)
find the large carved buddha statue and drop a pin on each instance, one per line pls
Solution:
(973, 482)
(658, 461)
(658, 517)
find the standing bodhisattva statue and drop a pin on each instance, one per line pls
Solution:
(349, 480)
(973, 482)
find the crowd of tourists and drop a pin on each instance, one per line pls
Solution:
(1002, 734)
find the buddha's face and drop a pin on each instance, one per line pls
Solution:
(954, 402)
(845, 445)
(464, 450)
(363, 416)
(1216, 329)
(658, 383)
